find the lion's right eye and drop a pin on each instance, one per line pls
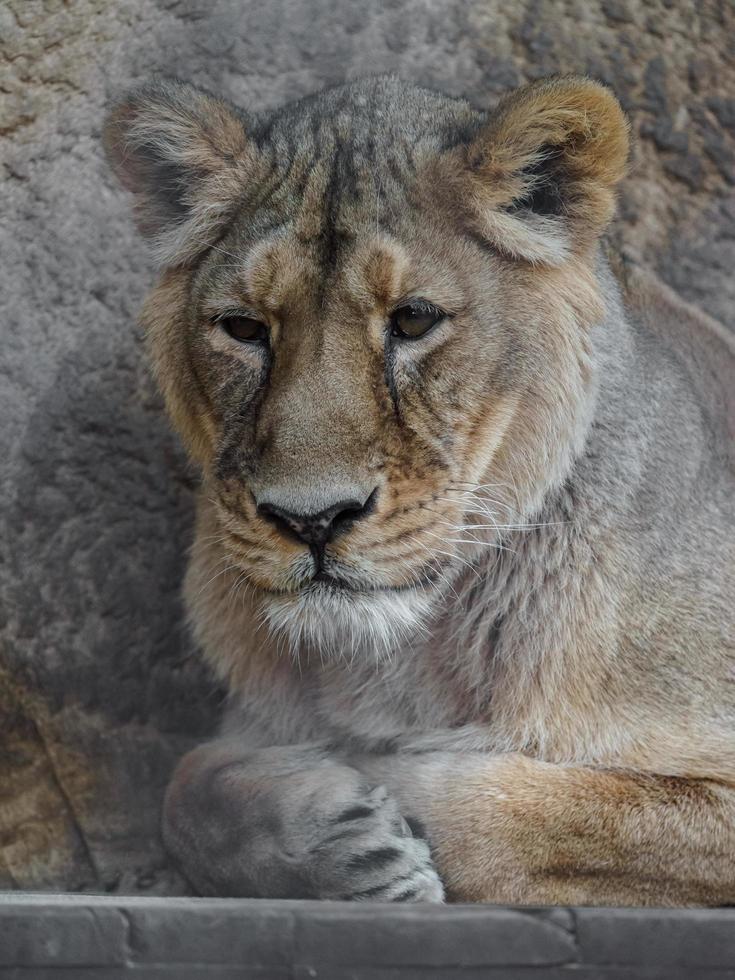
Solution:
(246, 329)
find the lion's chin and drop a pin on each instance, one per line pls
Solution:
(344, 624)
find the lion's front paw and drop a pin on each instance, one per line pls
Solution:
(368, 853)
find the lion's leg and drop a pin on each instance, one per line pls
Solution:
(511, 829)
(290, 822)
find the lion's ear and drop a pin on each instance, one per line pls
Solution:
(186, 157)
(544, 167)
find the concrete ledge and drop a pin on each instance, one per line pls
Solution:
(112, 938)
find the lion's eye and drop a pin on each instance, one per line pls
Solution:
(244, 328)
(414, 320)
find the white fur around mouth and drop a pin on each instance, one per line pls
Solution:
(337, 622)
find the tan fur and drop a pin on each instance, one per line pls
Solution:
(513, 829)
(580, 118)
(533, 649)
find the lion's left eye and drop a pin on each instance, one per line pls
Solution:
(415, 319)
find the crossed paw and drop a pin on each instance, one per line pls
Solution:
(293, 824)
(367, 852)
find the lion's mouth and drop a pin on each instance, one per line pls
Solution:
(332, 583)
(342, 609)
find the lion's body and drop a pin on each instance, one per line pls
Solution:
(534, 648)
(629, 605)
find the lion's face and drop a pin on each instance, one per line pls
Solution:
(371, 356)
(350, 417)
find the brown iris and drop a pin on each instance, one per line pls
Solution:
(246, 329)
(415, 319)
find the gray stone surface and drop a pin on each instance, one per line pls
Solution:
(656, 938)
(187, 938)
(62, 936)
(468, 936)
(99, 689)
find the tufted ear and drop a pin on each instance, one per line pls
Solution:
(186, 157)
(543, 169)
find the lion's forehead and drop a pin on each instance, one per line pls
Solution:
(348, 163)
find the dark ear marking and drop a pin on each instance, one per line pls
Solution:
(543, 167)
(186, 157)
(545, 186)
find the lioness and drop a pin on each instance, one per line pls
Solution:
(464, 548)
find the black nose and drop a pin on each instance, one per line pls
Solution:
(317, 528)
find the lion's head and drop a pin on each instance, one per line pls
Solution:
(371, 329)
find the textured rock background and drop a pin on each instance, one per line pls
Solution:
(99, 688)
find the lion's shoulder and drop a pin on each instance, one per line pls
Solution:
(703, 347)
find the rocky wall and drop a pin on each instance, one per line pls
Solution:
(100, 689)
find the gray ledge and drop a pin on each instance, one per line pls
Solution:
(106, 938)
